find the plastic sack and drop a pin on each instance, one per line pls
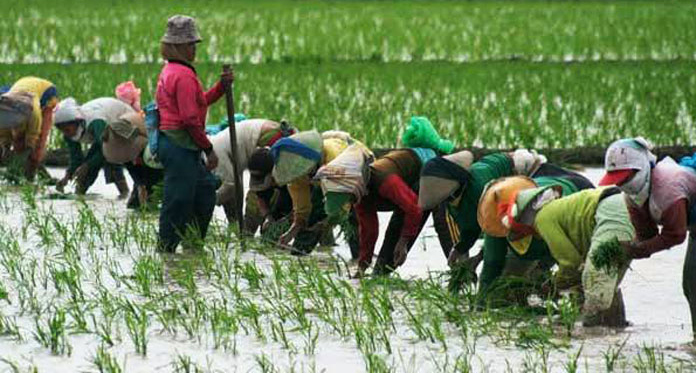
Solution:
(129, 93)
(420, 133)
(348, 173)
(215, 128)
(15, 109)
(152, 121)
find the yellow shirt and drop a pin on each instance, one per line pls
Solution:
(31, 130)
(300, 189)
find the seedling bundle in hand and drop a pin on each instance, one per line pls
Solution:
(609, 256)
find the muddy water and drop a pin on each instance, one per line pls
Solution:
(652, 291)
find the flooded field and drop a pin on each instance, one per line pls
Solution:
(82, 289)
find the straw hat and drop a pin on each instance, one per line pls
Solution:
(496, 194)
(181, 30)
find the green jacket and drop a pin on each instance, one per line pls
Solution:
(495, 249)
(567, 225)
(94, 157)
(487, 169)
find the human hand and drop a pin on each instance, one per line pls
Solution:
(81, 172)
(60, 185)
(634, 251)
(453, 258)
(227, 78)
(360, 271)
(401, 251)
(211, 161)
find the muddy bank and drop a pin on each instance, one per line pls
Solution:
(585, 156)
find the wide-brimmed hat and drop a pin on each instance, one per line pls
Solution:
(522, 211)
(181, 30)
(494, 202)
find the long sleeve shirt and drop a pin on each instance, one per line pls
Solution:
(390, 188)
(94, 157)
(486, 169)
(495, 249)
(182, 103)
(301, 189)
(674, 226)
(35, 133)
(567, 225)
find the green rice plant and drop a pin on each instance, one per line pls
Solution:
(265, 364)
(137, 321)
(184, 364)
(52, 333)
(609, 256)
(613, 354)
(571, 365)
(9, 327)
(105, 362)
(148, 272)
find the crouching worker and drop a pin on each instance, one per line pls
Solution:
(457, 181)
(251, 135)
(296, 160)
(574, 227)
(658, 194)
(268, 205)
(124, 142)
(26, 118)
(85, 125)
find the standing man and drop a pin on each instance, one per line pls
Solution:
(189, 185)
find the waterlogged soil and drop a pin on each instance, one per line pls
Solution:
(652, 292)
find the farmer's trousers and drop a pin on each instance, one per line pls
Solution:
(112, 173)
(189, 194)
(689, 277)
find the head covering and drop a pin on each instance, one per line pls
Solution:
(49, 98)
(521, 212)
(67, 111)
(129, 93)
(15, 109)
(420, 133)
(296, 156)
(630, 154)
(526, 162)
(181, 30)
(260, 168)
(347, 173)
(337, 203)
(442, 176)
(495, 201)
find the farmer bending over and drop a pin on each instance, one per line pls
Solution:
(26, 118)
(657, 194)
(85, 125)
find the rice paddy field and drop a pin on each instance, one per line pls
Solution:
(82, 287)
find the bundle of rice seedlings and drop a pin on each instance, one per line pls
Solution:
(609, 256)
(461, 275)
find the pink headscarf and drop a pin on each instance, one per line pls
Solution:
(129, 93)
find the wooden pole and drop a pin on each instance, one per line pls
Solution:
(238, 187)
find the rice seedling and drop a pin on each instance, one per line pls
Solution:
(613, 354)
(105, 362)
(609, 257)
(52, 333)
(137, 321)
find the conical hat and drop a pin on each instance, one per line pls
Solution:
(496, 194)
